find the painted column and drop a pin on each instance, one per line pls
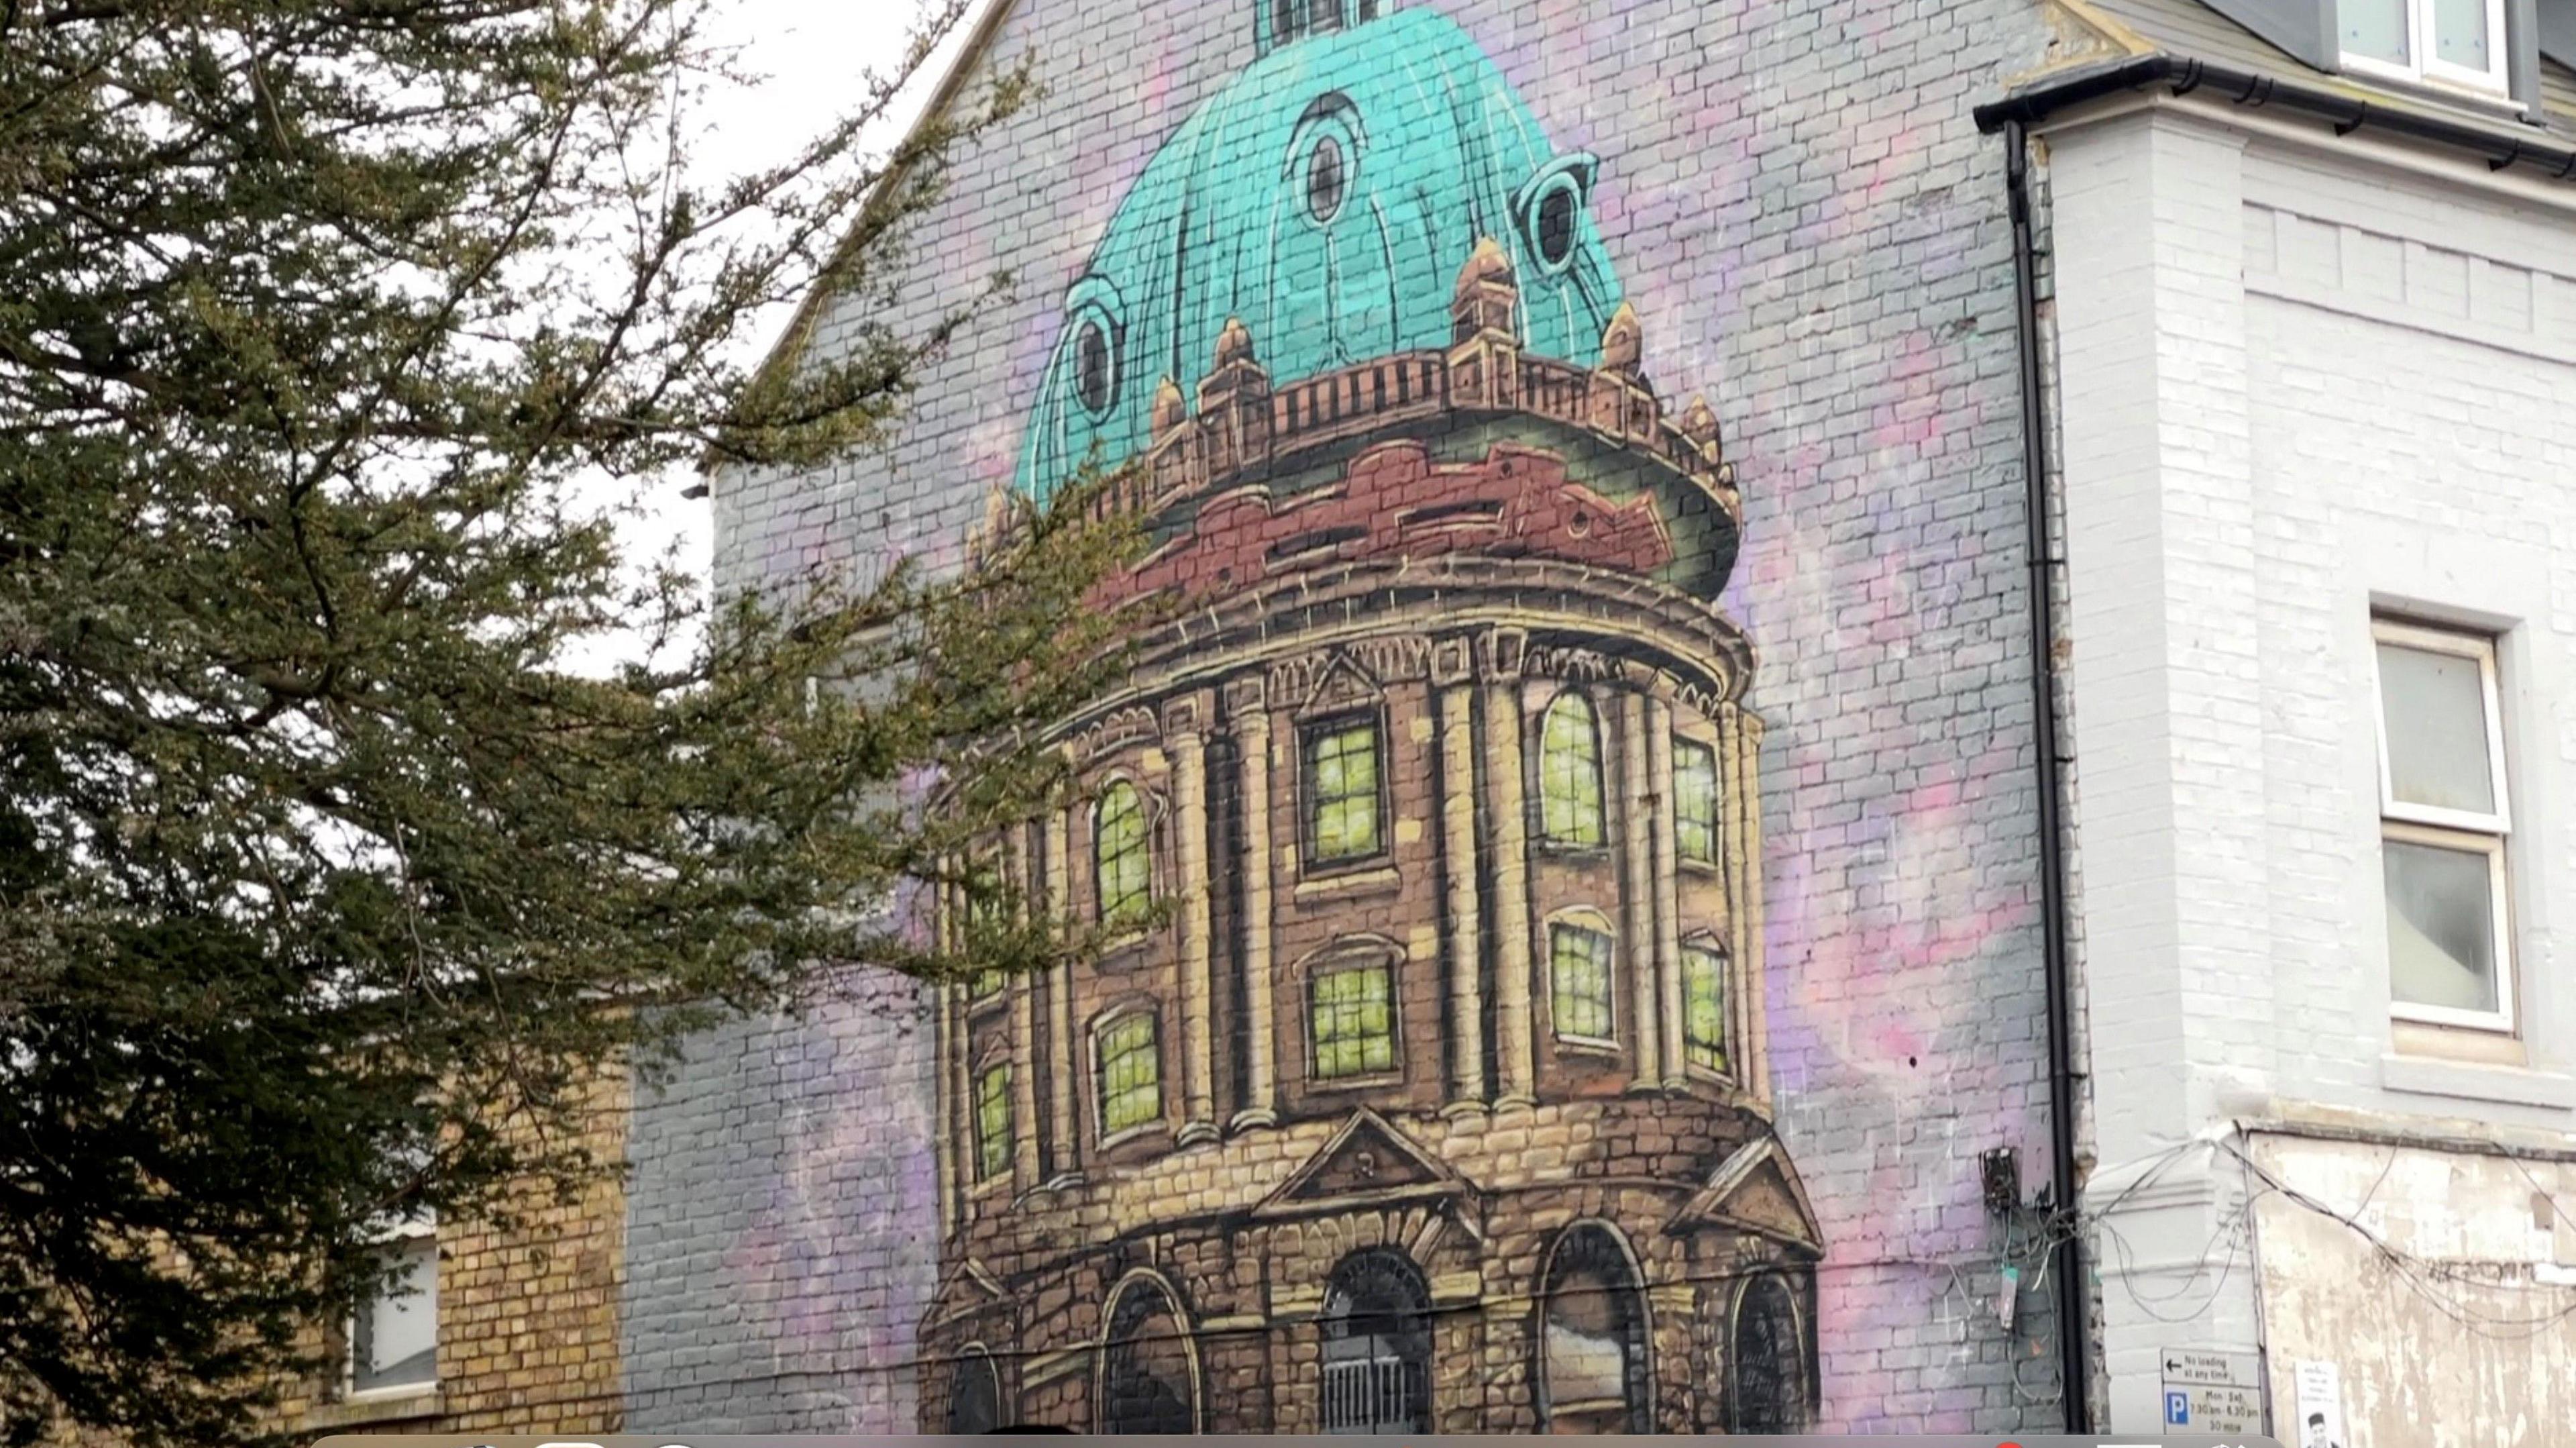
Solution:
(1739, 806)
(1064, 1143)
(1184, 738)
(1639, 820)
(1248, 708)
(959, 1065)
(1024, 1026)
(1668, 903)
(1510, 807)
(1749, 964)
(948, 1047)
(1453, 673)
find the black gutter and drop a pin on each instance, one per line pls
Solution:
(2074, 1312)
(2251, 89)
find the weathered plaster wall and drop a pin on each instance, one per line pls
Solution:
(1811, 231)
(2464, 1340)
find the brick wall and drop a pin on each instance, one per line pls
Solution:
(528, 1328)
(1800, 210)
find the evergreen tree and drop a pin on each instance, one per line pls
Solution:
(325, 882)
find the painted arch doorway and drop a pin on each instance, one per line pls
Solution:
(1768, 1386)
(975, 1395)
(1149, 1379)
(1593, 1371)
(1377, 1346)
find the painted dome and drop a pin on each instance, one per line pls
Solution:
(1325, 201)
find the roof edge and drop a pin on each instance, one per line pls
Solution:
(789, 349)
(2034, 104)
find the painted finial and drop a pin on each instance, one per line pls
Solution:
(1233, 343)
(1171, 409)
(1699, 421)
(1623, 342)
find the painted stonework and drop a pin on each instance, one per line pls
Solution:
(1439, 1103)
(1418, 416)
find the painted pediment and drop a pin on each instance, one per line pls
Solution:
(965, 1290)
(1367, 1163)
(1345, 685)
(1756, 1190)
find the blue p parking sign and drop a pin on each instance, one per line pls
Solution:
(2177, 1410)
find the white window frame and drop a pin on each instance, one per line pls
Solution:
(2466, 831)
(2427, 67)
(416, 1227)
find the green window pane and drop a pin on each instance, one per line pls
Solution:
(1579, 982)
(1122, 855)
(1569, 773)
(1353, 1015)
(993, 1123)
(1704, 1007)
(987, 916)
(1342, 801)
(1131, 1074)
(1695, 801)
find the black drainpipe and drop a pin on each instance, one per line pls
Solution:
(2074, 1315)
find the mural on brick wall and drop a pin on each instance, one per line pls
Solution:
(1436, 1099)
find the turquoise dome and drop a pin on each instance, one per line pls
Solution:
(1327, 198)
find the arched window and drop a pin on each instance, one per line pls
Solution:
(1147, 1384)
(1766, 1360)
(1122, 854)
(975, 1398)
(1592, 1369)
(1569, 773)
(1377, 1346)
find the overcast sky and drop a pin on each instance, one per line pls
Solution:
(813, 54)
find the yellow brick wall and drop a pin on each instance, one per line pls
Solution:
(527, 1319)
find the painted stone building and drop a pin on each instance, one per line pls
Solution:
(1610, 939)
(1418, 1107)
(1594, 980)
(1446, 772)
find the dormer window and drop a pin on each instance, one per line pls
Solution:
(1292, 20)
(2449, 42)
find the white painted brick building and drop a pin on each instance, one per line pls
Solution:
(2315, 420)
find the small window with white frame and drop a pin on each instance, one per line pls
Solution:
(2445, 818)
(393, 1335)
(2449, 42)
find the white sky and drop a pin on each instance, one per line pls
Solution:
(813, 55)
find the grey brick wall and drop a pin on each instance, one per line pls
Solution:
(781, 1225)
(1805, 218)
